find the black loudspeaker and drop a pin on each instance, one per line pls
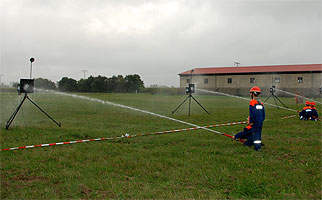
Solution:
(27, 86)
(272, 89)
(190, 89)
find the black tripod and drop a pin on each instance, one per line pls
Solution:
(19, 106)
(189, 97)
(272, 90)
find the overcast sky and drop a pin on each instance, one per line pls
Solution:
(156, 39)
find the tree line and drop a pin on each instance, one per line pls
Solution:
(117, 84)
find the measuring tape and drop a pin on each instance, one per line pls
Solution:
(286, 117)
(125, 136)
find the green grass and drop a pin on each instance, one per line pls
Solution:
(184, 165)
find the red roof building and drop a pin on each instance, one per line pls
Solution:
(256, 69)
(304, 78)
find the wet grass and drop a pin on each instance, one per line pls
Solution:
(183, 165)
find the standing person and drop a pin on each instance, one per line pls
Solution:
(306, 112)
(256, 117)
(315, 116)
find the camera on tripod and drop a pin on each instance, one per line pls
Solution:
(272, 89)
(26, 86)
(190, 89)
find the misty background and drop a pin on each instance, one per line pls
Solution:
(157, 39)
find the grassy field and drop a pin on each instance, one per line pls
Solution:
(183, 165)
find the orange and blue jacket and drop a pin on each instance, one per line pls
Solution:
(306, 112)
(307, 107)
(315, 114)
(256, 113)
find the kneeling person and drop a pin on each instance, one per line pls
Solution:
(306, 112)
(245, 134)
(315, 115)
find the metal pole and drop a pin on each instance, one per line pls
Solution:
(31, 61)
(189, 104)
(30, 69)
(84, 71)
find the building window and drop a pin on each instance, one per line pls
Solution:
(188, 80)
(252, 80)
(277, 80)
(206, 81)
(230, 80)
(300, 79)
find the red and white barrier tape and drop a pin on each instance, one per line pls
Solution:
(125, 136)
(286, 117)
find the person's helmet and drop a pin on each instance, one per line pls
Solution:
(313, 103)
(255, 90)
(307, 103)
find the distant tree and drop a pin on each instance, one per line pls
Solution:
(45, 84)
(14, 84)
(133, 83)
(99, 84)
(115, 84)
(129, 83)
(84, 85)
(109, 85)
(67, 85)
(120, 84)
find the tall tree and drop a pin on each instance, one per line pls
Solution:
(67, 85)
(84, 85)
(99, 84)
(133, 83)
(45, 84)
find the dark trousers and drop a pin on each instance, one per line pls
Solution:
(256, 138)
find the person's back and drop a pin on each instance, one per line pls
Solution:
(315, 115)
(256, 112)
(306, 112)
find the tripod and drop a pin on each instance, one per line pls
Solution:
(18, 108)
(190, 97)
(275, 97)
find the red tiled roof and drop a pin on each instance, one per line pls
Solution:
(256, 69)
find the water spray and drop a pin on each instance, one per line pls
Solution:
(131, 108)
(213, 92)
(299, 96)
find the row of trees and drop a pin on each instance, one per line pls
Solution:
(129, 83)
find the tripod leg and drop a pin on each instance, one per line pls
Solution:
(200, 105)
(180, 105)
(15, 113)
(58, 124)
(189, 104)
(280, 101)
(275, 102)
(268, 98)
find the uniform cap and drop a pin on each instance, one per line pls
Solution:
(308, 103)
(313, 103)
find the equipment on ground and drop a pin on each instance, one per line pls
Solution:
(272, 91)
(189, 90)
(27, 86)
